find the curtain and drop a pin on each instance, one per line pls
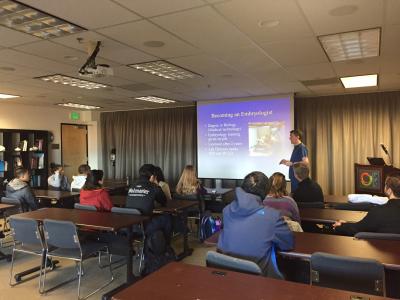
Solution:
(163, 137)
(342, 130)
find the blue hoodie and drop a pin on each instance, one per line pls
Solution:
(251, 230)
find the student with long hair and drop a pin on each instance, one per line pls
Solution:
(160, 180)
(188, 183)
(278, 197)
(92, 192)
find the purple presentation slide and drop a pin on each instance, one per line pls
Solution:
(236, 138)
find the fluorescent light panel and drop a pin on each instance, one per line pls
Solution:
(72, 81)
(351, 45)
(155, 99)
(6, 96)
(360, 81)
(164, 69)
(79, 106)
(21, 17)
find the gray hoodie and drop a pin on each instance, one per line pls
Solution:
(19, 189)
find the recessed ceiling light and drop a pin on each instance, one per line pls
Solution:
(351, 45)
(360, 81)
(154, 44)
(164, 69)
(8, 69)
(72, 81)
(344, 10)
(268, 23)
(21, 17)
(155, 99)
(7, 96)
(78, 106)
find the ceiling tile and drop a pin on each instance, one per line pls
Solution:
(392, 12)
(110, 49)
(390, 43)
(10, 37)
(326, 16)
(389, 81)
(253, 19)
(311, 72)
(149, 8)
(357, 67)
(247, 59)
(88, 14)
(136, 34)
(31, 61)
(204, 28)
(296, 52)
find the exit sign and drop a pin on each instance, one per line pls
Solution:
(74, 115)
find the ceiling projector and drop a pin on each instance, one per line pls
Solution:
(92, 70)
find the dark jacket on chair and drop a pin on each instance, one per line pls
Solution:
(308, 191)
(382, 219)
(251, 230)
(18, 189)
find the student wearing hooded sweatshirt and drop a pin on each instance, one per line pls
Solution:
(79, 180)
(251, 230)
(19, 188)
(92, 192)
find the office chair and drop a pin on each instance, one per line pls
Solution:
(347, 273)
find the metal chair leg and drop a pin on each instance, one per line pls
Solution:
(12, 267)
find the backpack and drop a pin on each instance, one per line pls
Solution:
(157, 253)
(208, 226)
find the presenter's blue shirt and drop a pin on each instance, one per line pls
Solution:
(298, 153)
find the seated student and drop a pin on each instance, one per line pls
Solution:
(188, 183)
(383, 218)
(92, 192)
(57, 180)
(19, 188)
(79, 180)
(250, 229)
(307, 190)
(160, 180)
(142, 196)
(278, 197)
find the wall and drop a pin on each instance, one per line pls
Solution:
(21, 116)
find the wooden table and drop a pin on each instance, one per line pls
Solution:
(328, 215)
(218, 192)
(179, 208)
(56, 195)
(178, 281)
(94, 220)
(385, 251)
(174, 207)
(4, 207)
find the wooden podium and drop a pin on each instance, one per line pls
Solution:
(370, 179)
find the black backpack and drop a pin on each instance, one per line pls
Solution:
(156, 253)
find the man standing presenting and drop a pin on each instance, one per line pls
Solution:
(299, 154)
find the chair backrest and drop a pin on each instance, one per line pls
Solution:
(226, 262)
(128, 211)
(192, 197)
(14, 210)
(26, 231)
(61, 234)
(347, 273)
(85, 207)
(311, 204)
(377, 236)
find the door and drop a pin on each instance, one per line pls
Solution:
(74, 148)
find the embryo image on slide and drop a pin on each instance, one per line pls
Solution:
(265, 138)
